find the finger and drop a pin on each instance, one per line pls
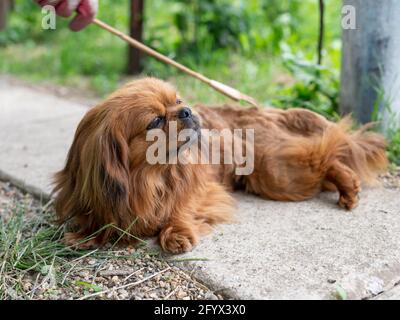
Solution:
(63, 10)
(66, 7)
(87, 10)
(43, 3)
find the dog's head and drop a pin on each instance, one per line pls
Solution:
(141, 110)
(111, 143)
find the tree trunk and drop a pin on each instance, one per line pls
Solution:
(136, 32)
(4, 8)
(370, 77)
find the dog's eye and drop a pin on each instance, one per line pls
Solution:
(156, 123)
(178, 101)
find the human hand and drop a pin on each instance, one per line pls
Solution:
(86, 11)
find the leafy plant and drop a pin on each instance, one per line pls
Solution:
(316, 87)
(20, 26)
(202, 27)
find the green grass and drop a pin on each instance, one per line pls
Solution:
(31, 246)
(394, 146)
(392, 128)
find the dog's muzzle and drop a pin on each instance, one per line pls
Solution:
(189, 120)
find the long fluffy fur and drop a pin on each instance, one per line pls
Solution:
(299, 153)
(107, 184)
(107, 187)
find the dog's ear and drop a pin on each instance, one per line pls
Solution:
(110, 172)
(93, 188)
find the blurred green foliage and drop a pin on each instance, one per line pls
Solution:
(316, 88)
(61, 56)
(220, 38)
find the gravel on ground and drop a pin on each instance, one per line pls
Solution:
(108, 273)
(391, 179)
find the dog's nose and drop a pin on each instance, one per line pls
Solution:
(184, 113)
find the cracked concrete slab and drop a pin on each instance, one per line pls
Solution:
(275, 250)
(307, 250)
(393, 294)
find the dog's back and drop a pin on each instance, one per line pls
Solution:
(298, 152)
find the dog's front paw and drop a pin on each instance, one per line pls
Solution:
(177, 241)
(77, 241)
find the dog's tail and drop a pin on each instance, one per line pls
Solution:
(361, 150)
(365, 151)
(301, 163)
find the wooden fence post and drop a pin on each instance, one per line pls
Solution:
(370, 74)
(136, 32)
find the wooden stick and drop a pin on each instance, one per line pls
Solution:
(220, 87)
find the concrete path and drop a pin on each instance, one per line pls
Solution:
(275, 250)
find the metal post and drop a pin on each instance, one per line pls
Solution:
(371, 61)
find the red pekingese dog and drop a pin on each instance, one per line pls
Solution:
(107, 179)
